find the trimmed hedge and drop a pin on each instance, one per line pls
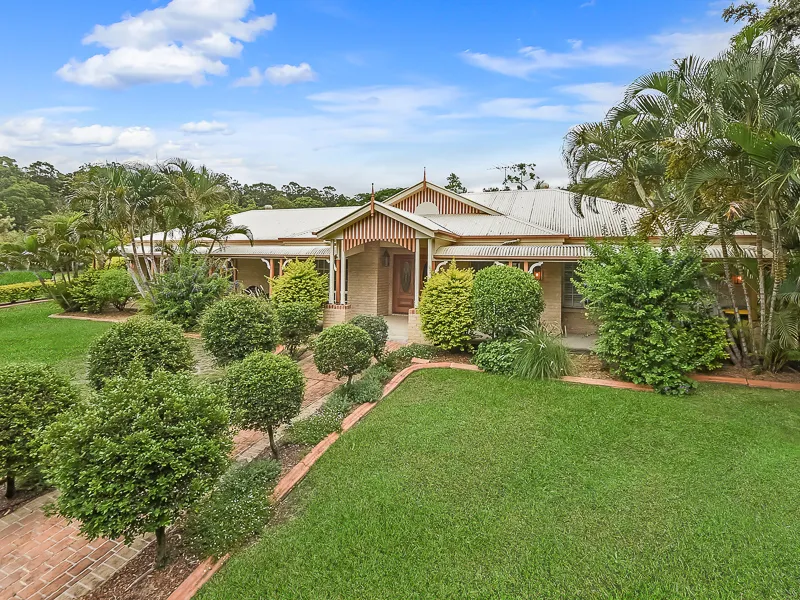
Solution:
(300, 282)
(506, 300)
(20, 292)
(445, 309)
(237, 325)
(344, 349)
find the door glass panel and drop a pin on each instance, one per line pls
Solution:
(405, 277)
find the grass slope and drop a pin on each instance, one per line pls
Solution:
(464, 485)
(27, 334)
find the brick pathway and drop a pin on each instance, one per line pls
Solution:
(46, 559)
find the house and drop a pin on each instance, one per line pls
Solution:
(378, 255)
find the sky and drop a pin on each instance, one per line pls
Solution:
(330, 92)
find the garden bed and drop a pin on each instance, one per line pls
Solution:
(137, 580)
(107, 316)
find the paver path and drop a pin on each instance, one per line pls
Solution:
(45, 558)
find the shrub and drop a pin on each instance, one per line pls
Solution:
(300, 282)
(377, 329)
(297, 322)
(20, 292)
(265, 390)
(645, 300)
(378, 372)
(445, 308)
(115, 287)
(152, 343)
(542, 355)
(236, 326)
(706, 341)
(506, 300)
(31, 396)
(138, 454)
(61, 292)
(399, 359)
(84, 294)
(343, 349)
(182, 294)
(315, 428)
(497, 356)
(235, 512)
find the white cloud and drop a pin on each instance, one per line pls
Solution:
(288, 74)
(23, 127)
(535, 109)
(204, 127)
(92, 135)
(136, 139)
(386, 99)
(653, 50)
(254, 79)
(602, 92)
(182, 42)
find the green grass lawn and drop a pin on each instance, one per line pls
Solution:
(466, 485)
(27, 334)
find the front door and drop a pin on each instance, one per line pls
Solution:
(403, 286)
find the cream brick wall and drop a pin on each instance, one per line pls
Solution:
(575, 321)
(334, 314)
(252, 271)
(368, 282)
(415, 335)
(552, 275)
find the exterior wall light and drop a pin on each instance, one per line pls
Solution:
(737, 279)
(386, 258)
(537, 273)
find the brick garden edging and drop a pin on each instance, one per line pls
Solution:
(756, 383)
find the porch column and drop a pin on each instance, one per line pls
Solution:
(430, 257)
(332, 274)
(416, 273)
(342, 271)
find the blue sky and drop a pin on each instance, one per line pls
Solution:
(329, 92)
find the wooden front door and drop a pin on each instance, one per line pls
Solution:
(403, 283)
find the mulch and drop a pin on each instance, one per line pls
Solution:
(109, 315)
(21, 497)
(137, 580)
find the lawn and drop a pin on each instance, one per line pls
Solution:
(466, 485)
(27, 334)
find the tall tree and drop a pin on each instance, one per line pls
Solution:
(454, 184)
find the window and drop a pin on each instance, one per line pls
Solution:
(570, 298)
(322, 266)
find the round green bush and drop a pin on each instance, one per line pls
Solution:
(265, 390)
(114, 286)
(497, 356)
(138, 454)
(297, 322)
(377, 328)
(152, 343)
(31, 396)
(445, 310)
(506, 300)
(237, 325)
(344, 349)
(83, 291)
(300, 282)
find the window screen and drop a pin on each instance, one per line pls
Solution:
(570, 297)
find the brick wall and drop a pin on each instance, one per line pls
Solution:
(368, 282)
(334, 314)
(574, 320)
(552, 274)
(415, 335)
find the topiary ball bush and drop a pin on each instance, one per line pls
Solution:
(31, 396)
(236, 326)
(445, 309)
(296, 322)
(265, 390)
(115, 286)
(344, 349)
(506, 301)
(377, 328)
(152, 343)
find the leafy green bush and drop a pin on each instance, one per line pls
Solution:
(300, 282)
(344, 349)
(297, 322)
(377, 328)
(265, 390)
(506, 300)
(152, 343)
(445, 308)
(139, 453)
(61, 292)
(399, 359)
(497, 356)
(315, 428)
(236, 512)
(237, 325)
(115, 287)
(378, 372)
(646, 301)
(20, 292)
(83, 291)
(542, 355)
(706, 340)
(31, 396)
(182, 294)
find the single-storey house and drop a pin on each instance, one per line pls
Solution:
(378, 255)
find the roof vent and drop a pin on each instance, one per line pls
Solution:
(268, 207)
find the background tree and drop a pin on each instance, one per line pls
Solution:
(519, 176)
(137, 455)
(454, 184)
(265, 390)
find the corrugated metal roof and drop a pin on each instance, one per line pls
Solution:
(273, 251)
(552, 209)
(565, 252)
(423, 221)
(488, 225)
